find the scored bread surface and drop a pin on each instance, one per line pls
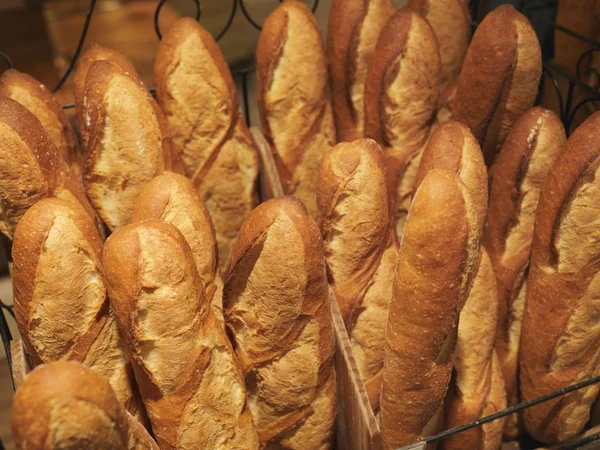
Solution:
(352, 34)
(400, 101)
(129, 143)
(69, 406)
(188, 376)
(562, 292)
(360, 254)
(61, 304)
(36, 98)
(30, 167)
(436, 265)
(196, 91)
(294, 107)
(499, 77)
(531, 147)
(172, 198)
(85, 61)
(277, 309)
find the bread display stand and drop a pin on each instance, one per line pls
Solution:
(357, 427)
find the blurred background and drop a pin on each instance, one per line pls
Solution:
(41, 36)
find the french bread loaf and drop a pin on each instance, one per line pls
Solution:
(293, 103)
(401, 97)
(172, 198)
(65, 405)
(560, 335)
(196, 91)
(85, 61)
(453, 147)
(34, 96)
(436, 265)
(451, 23)
(187, 372)
(30, 167)
(277, 309)
(352, 34)
(129, 143)
(499, 78)
(516, 177)
(359, 249)
(61, 305)
(477, 388)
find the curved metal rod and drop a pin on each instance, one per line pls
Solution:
(6, 337)
(229, 21)
(75, 57)
(549, 74)
(9, 308)
(581, 58)
(161, 3)
(9, 62)
(576, 109)
(248, 17)
(259, 27)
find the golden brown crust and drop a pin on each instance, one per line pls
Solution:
(477, 387)
(172, 198)
(277, 310)
(129, 143)
(60, 296)
(451, 22)
(361, 257)
(531, 147)
(400, 101)
(452, 147)
(352, 34)
(294, 107)
(34, 96)
(90, 56)
(189, 379)
(437, 261)
(30, 167)
(499, 78)
(196, 91)
(37, 98)
(561, 292)
(66, 405)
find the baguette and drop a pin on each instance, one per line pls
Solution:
(351, 38)
(295, 111)
(400, 102)
(360, 254)
(61, 305)
(562, 292)
(499, 78)
(195, 90)
(436, 265)
(89, 57)
(451, 23)
(30, 167)
(516, 178)
(34, 96)
(173, 199)
(453, 147)
(128, 144)
(278, 313)
(68, 406)
(189, 378)
(477, 389)
(37, 98)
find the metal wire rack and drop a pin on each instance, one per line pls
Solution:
(568, 109)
